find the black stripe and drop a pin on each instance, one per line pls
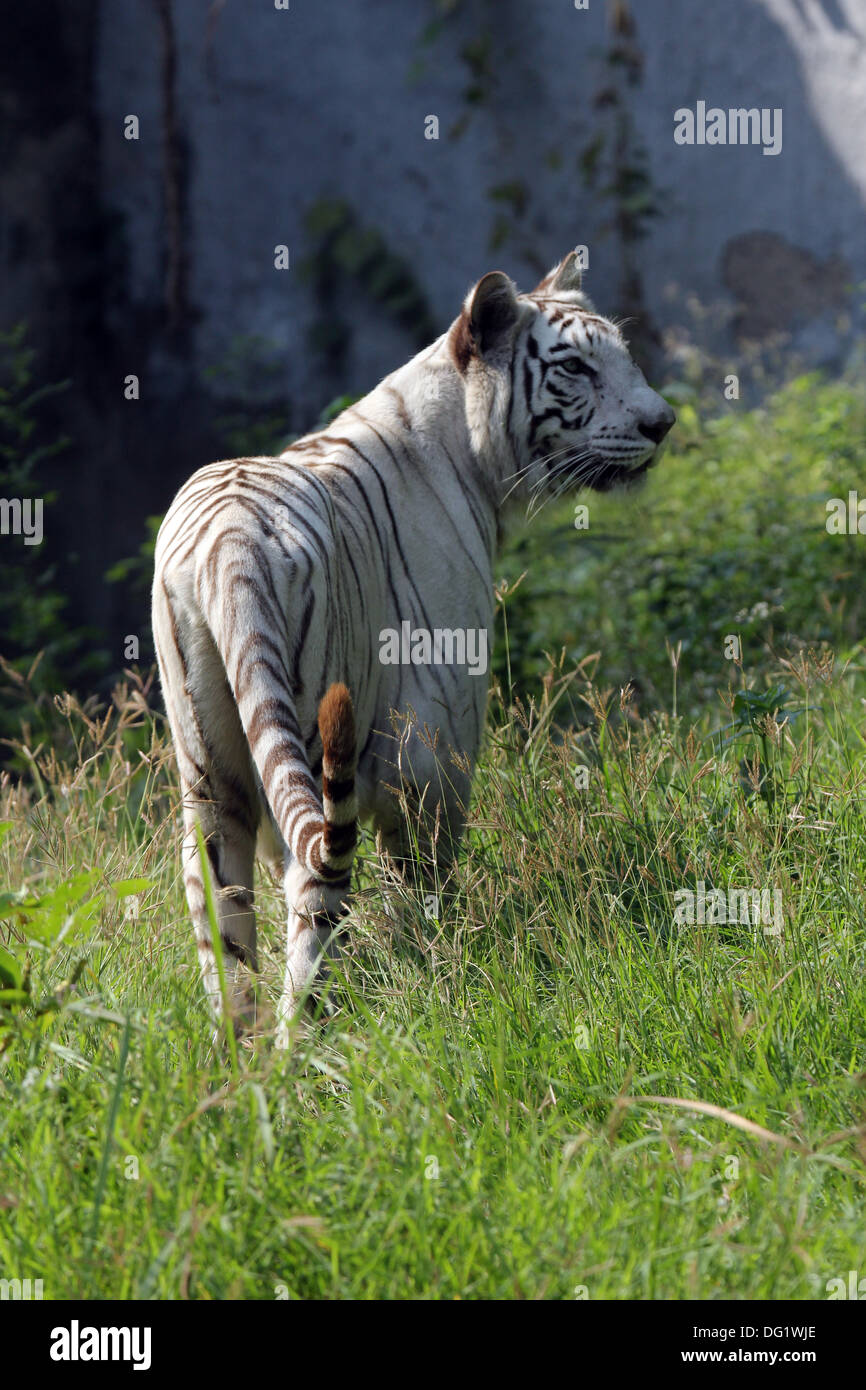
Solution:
(238, 950)
(339, 839)
(337, 789)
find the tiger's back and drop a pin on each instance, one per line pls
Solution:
(276, 579)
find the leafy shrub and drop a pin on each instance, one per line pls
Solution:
(41, 652)
(728, 537)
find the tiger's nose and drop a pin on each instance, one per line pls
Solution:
(657, 427)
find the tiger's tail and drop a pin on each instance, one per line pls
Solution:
(339, 834)
(323, 844)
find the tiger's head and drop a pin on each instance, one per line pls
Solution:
(550, 383)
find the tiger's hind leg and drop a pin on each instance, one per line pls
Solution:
(220, 795)
(416, 880)
(230, 846)
(419, 847)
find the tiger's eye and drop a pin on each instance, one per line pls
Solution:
(575, 366)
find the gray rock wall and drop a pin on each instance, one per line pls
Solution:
(155, 256)
(280, 108)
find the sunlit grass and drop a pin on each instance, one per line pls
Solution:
(548, 1086)
(486, 1114)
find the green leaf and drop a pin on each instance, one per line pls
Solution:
(10, 970)
(14, 996)
(129, 886)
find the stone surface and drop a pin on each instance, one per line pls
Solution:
(273, 110)
(279, 108)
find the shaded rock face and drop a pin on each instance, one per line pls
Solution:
(156, 256)
(53, 260)
(778, 287)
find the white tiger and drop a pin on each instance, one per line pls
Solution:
(276, 577)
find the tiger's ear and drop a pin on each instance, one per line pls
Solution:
(565, 278)
(492, 309)
(489, 314)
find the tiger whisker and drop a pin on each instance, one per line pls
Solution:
(518, 476)
(533, 463)
(565, 469)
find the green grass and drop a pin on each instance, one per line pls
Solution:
(554, 1090)
(728, 537)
